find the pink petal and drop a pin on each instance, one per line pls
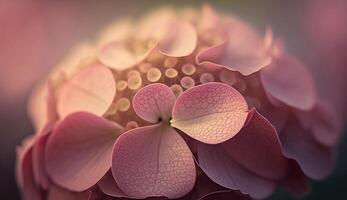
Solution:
(39, 170)
(180, 39)
(276, 115)
(153, 161)
(78, 152)
(211, 113)
(209, 18)
(224, 195)
(109, 186)
(154, 102)
(296, 183)
(118, 56)
(175, 38)
(223, 170)
(24, 172)
(258, 149)
(287, 80)
(315, 160)
(208, 57)
(244, 52)
(92, 90)
(58, 193)
(324, 122)
(254, 153)
(42, 105)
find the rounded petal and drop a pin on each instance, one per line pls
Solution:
(39, 170)
(57, 193)
(324, 122)
(315, 160)
(118, 56)
(244, 50)
(78, 152)
(224, 195)
(211, 113)
(288, 81)
(109, 186)
(223, 170)
(24, 171)
(153, 161)
(257, 148)
(180, 39)
(154, 102)
(207, 57)
(92, 90)
(175, 38)
(296, 183)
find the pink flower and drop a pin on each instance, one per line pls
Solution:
(185, 104)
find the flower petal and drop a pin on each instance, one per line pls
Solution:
(179, 40)
(118, 56)
(109, 186)
(153, 102)
(296, 183)
(226, 172)
(288, 81)
(245, 51)
(57, 193)
(92, 89)
(78, 153)
(211, 113)
(175, 38)
(39, 170)
(224, 195)
(315, 160)
(325, 124)
(42, 105)
(24, 171)
(153, 161)
(257, 148)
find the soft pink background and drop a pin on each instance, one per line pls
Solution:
(35, 34)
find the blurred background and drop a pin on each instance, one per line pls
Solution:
(35, 35)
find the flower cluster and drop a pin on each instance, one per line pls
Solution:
(184, 104)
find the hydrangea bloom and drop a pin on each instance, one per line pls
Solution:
(182, 105)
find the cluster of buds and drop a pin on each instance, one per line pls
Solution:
(182, 105)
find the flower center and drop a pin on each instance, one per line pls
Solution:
(179, 74)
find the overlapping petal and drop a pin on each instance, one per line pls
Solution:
(117, 55)
(224, 195)
(315, 160)
(179, 41)
(288, 81)
(154, 102)
(250, 161)
(211, 113)
(175, 38)
(38, 157)
(109, 186)
(42, 105)
(24, 171)
(324, 123)
(92, 90)
(83, 142)
(296, 183)
(57, 193)
(243, 50)
(153, 161)
(227, 173)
